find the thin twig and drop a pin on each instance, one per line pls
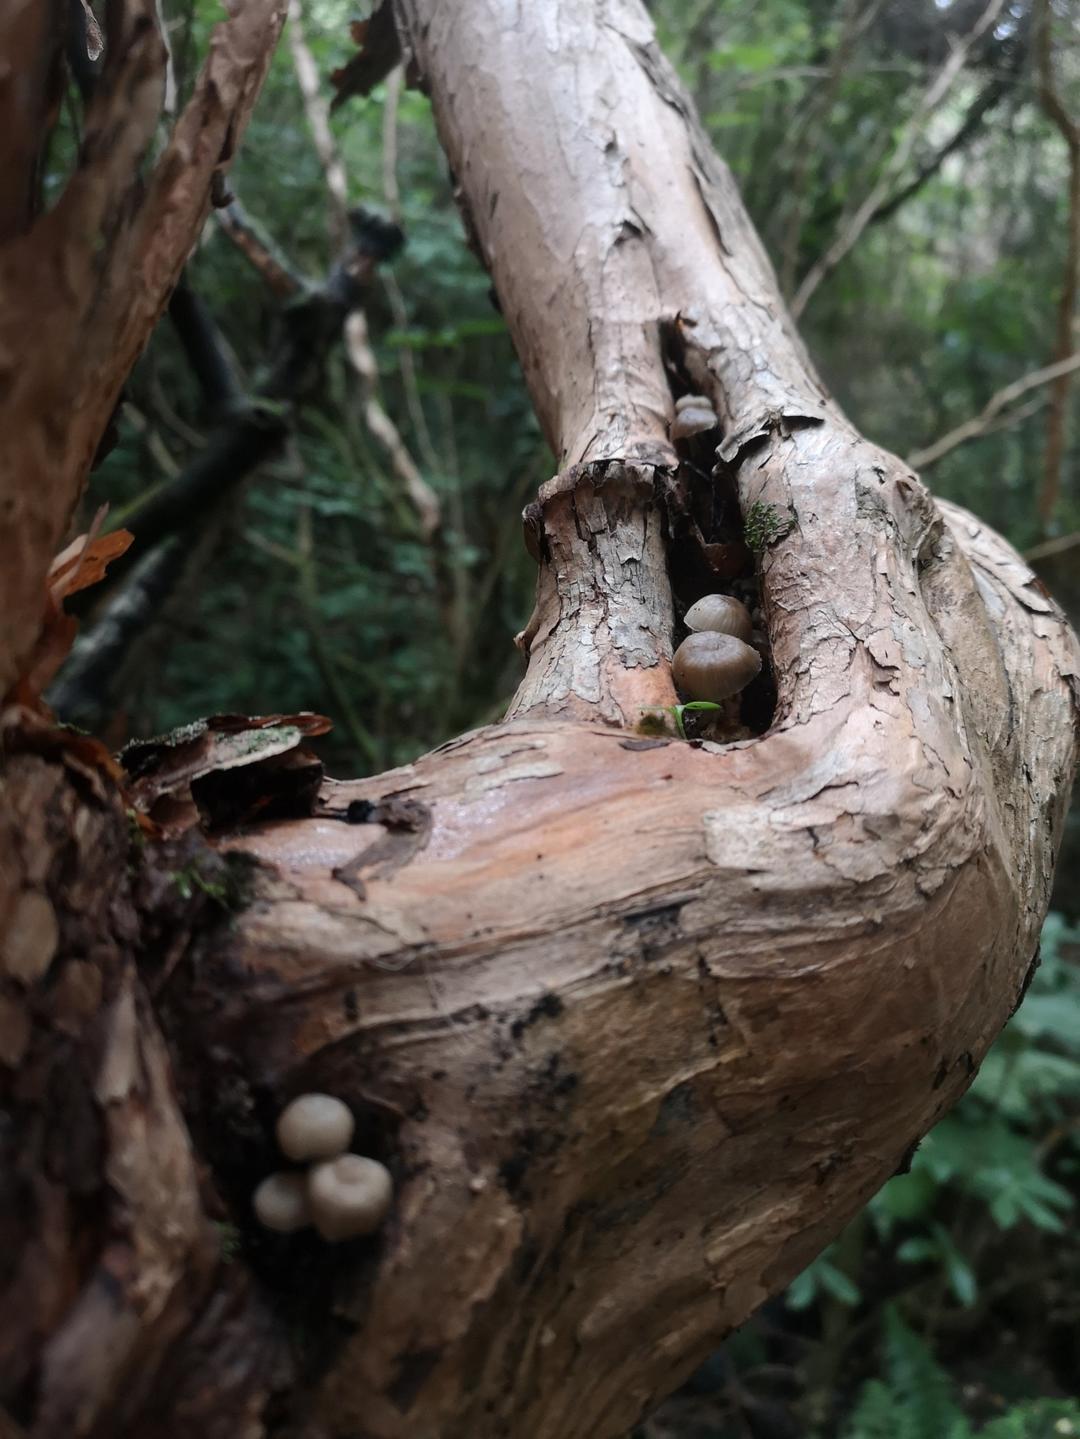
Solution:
(391, 192)
(317, 110)
(986, 100)
(1049, 548)
(308, 593)
(424, 500)
(422, 497)
(392, 196)
(853, 229)
(982, 423)
(852, 26)
(1056, 423)
(283, 280)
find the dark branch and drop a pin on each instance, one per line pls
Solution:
(82, 694)
(378, 54)
(205, 348)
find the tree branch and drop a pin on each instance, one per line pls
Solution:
(317, 111)
(378, 54)
(421, 496)
(31, 42)
(981, 423)
(205, 348)
(83, 691)
(1064, 344)
(853, 24)
(592, 997)
(255, 427)
(977, 112)
(108, 226)
(282, 277)
(852, 230)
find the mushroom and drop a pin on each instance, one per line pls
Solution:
(314, 1126)
(349, 1195)
(281, 1203)
(722, 614)
(694, 415)
(712, 666)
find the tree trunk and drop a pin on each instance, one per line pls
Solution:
(636, 1024)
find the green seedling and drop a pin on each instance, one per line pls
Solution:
(677, 712)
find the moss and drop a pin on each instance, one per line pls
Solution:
(228, 1240)
(765, 525)
(219, 877)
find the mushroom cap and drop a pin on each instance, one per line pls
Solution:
(692, 402)
(281, 1202)
(349, 1195)
(693, 419)
(721, 613)
(712, 666)
(314, 1126)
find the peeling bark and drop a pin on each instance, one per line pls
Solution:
(636, 1024)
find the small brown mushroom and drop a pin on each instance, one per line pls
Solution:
(723, 614)
(281, 1203)
(711, 666)
(694, 415)
(314, 1126)
(349, 1195)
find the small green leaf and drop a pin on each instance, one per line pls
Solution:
(835, 1282)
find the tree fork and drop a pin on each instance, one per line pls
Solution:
(636, 1025)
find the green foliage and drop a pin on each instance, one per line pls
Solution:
(651, 721)
(1036, 1419)
(818, 1280)
(914, 1400)
(990, 1150)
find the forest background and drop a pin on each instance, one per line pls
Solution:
(925, 225)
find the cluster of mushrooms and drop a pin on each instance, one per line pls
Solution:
(716, 659)
(343, 1195)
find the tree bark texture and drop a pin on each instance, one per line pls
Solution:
(637, 1024)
